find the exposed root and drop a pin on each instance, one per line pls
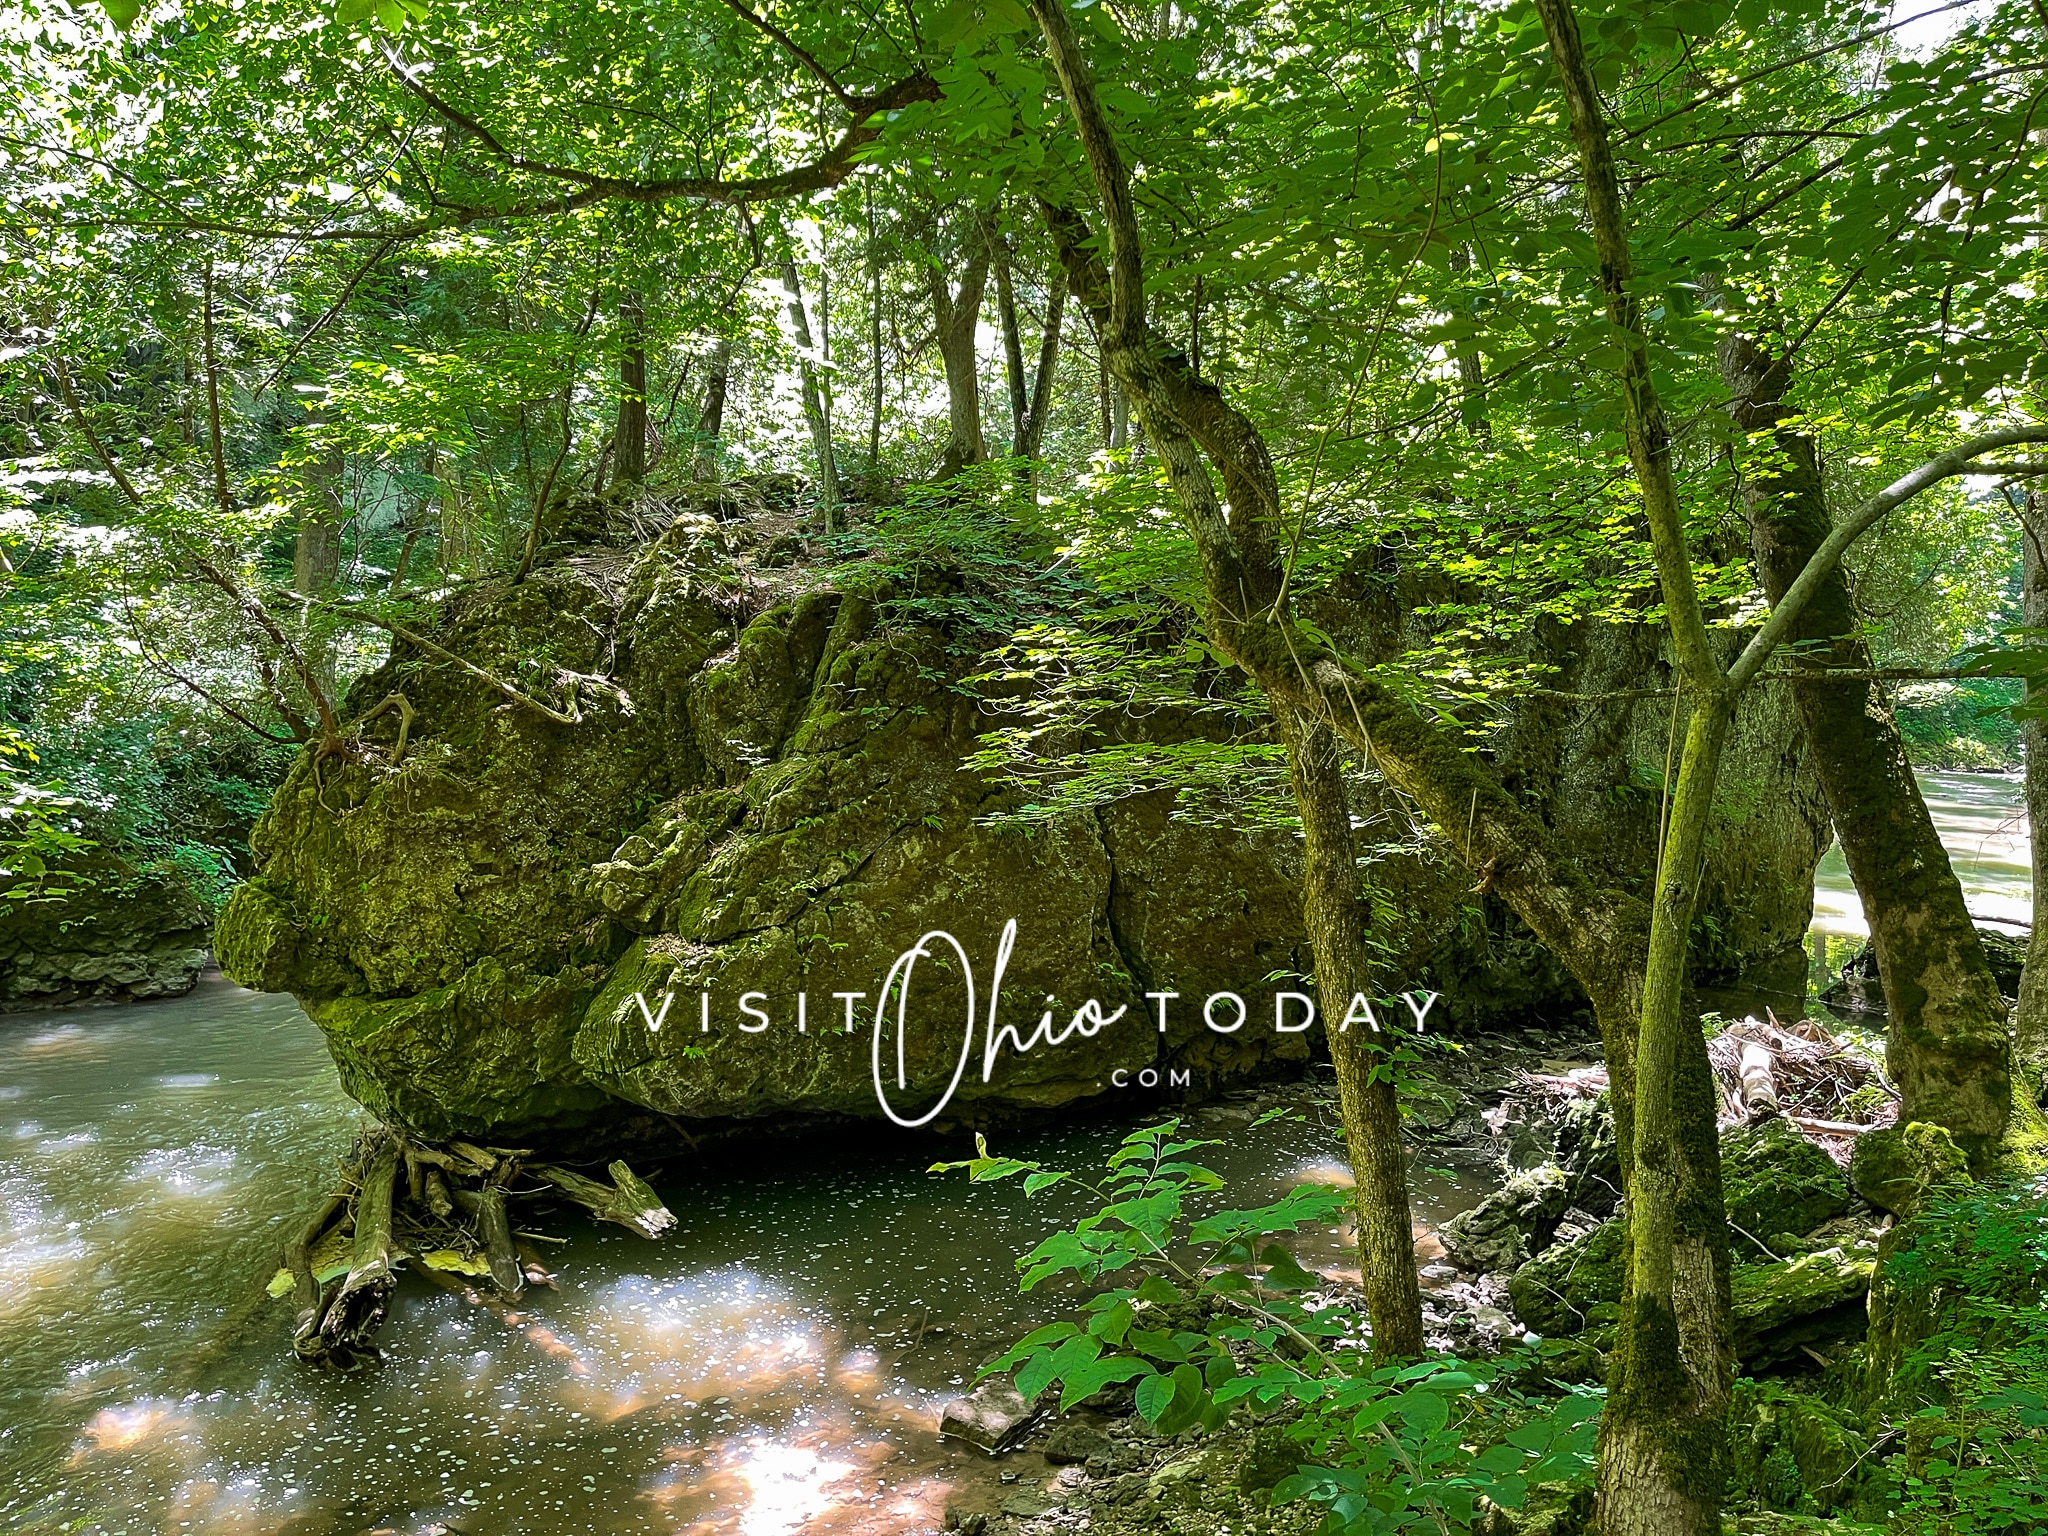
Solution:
(438, 1208)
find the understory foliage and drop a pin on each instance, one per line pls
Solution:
(1974, 1460)
(1205, 1313)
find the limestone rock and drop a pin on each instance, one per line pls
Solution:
(994, 1415)
(1779, 1309)
(127, 930)
(1896, 1168)
(1792, 1451)
(1774, 1180)
(1510, 1226)
(767, 803)
(1556, 1292)
(1073, 1442)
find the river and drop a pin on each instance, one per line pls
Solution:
(776, 1366)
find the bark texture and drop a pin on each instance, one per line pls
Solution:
(1335, 916)
(1947, 1047)
(2031, 1029)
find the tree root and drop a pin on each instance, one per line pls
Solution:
(439, 1207)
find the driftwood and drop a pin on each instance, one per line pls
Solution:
(629, 1200)
(496, 1226)
(1831, 1127)
(297, 1253)
(1767, 1068)
(435, 1196)
(440, 1207)
(1756, 1082)
(364, 1295)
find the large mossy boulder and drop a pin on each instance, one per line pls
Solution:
(1782, 1310)
(1511, 1225)
(1897, 1168)
(761, 795)
(1778, 1308)
(1572, 1286)
(1772, 1178)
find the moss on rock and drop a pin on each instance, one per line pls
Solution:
(764, 800)
(1774, 1180)
(1897, 1168)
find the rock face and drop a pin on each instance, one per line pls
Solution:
(763, 804)
(125, 932)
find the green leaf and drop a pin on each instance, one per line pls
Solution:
(122, 13)
(1155, 1396)
(1284, 1271)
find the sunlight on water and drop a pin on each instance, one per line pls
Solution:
(777, 1366)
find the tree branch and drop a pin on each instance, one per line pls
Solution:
(1947, 466)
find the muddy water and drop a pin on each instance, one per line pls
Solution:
(778, 1366)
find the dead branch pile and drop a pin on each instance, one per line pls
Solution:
(444, 1209)
(1766, 1069)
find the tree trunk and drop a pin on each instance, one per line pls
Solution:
(629, 453)
(1048, 363)
(2032, 1023)
(1662, 1436)
(1662, 1467)
(1947, 1047)
(1030, 394)
(316, 555)
(711, 420)
(1013, 342)
(874, 342)
(957, 314)
(816, 415)
(1336, 918)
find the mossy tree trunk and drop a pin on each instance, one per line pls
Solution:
(1947, 1047)
(1662, 1463)
(2032, 1023)
(1336, 917)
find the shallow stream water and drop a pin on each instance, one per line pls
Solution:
(776, 1366)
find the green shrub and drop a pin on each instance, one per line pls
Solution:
(1205, 1312)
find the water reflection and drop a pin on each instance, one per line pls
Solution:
(777, 1366)
(1982, 820)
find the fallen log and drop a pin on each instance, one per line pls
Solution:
(1831, 1127)
(1754, 1072)
(435, 1195)
(628, 1201)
